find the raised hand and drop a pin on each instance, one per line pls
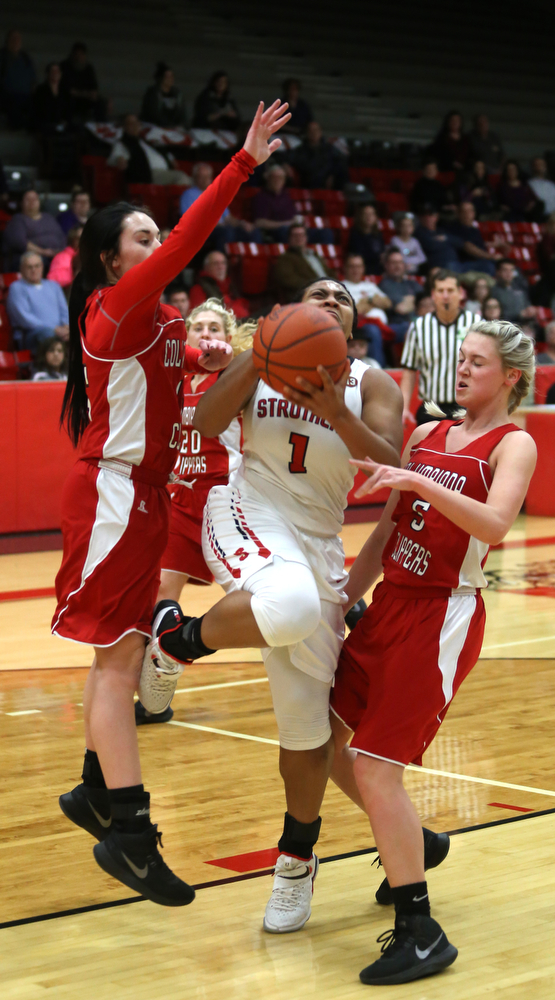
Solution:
(264, 124)
(216, 354)
(384, 476)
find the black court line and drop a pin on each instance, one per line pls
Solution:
(259, 874)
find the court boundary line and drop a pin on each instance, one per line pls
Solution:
(345, 856)
(410, 767)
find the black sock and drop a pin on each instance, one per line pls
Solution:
(185, 643)
(411, 899)
(130, 808)
(298, 838)
(92, 772)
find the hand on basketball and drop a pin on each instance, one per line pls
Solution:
(327, 400)
(264, 124)
(383, 477)
(216, 354)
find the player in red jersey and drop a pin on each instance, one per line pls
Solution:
(124, 403)
(201, 464)
(461, 487)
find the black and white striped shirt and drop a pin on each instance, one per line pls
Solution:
(432, 349)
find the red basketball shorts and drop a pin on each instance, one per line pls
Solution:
(401, 667)
(115, 531)
(184, 549)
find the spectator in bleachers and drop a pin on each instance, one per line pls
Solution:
(366, 239)
(229, 227)
(400, 290)
(437, 243)
(140, 162)
(176, 295)
(547, 356)
(163, 103)
(51, 108)
(543, 188)
(491, 309)
(301, 112)
(475, 188)
(512, 295)
(273, 208)
(428, 190)
(214, 107)
(451, 147)
(36, 307)
(486, 145)
(17, 81)
(78, 211)
(479, 292)
(64, 265)
(50, 361)
(514, 195)
(213, 282)
(31, 229)
(80, 85)
(4, 192)
(424, 304)
(319, 164)
(357, 349)
(407, 244)
(371, 304)
(545, 289)
(471, 246)
(297, 267)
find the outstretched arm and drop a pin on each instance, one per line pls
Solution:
(489, 521)
(147, 280)
(227, 397)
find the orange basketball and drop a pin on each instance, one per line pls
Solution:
(293, 340)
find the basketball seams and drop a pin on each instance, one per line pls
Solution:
(274, 371)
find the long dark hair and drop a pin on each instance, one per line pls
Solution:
(101, 234)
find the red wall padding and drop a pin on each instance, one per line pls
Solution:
(35, 456)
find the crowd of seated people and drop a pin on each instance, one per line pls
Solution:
(465, 182)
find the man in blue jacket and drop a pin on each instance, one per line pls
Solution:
(36, 307)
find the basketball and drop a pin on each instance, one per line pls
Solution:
(293, 340)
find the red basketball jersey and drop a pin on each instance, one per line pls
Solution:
(134, 349)
(203, 462)
(427, 549)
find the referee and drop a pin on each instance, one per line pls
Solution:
(432, 349)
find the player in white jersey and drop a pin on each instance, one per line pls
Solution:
(271, 540)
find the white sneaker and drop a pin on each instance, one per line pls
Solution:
(160, 671)
(288, 908)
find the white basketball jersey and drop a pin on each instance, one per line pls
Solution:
(296, 460)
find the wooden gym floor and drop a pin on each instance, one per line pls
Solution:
(69, 931)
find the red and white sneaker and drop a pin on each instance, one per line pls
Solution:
(288, 908)
(160, 671)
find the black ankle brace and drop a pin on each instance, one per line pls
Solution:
(92, 772)
(185, 642)
(130, 808)
(298, 838)
(411, 899)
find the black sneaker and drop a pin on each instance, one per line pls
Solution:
(88, 808)
(436, 849)
(355, 614)
(417, 947)
(134, 859)
(144, 718)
